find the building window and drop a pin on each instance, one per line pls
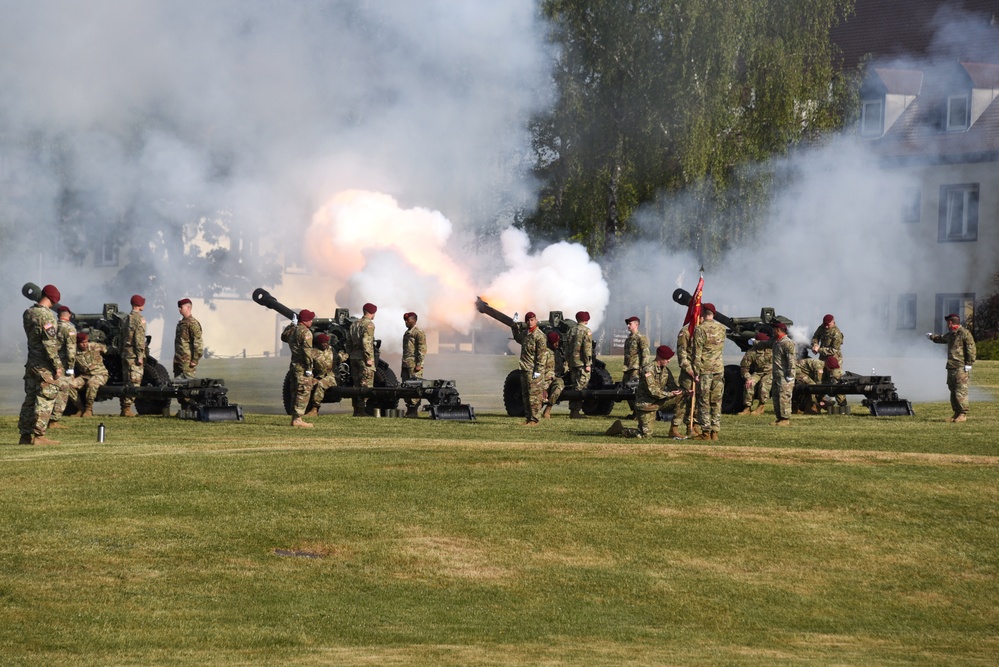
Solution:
(906, 311)
(957, 113)
(871, 118)
(961, 304)
(958, 212)
(911, 203)
(106, 253)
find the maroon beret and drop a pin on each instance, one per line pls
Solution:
(632, 319)
(183, 302)
(664, 352)
(323, 339)
(710, 307)
(137, 300)
(529, 315)
(832, 363)
(306, 315)
(582, 316)
(82, 337)
(63, 309)
(828, 319)
(51, 292)
(953, 317)
(762, 335)
(370, 308)
(780, 325)
(406, 316)
(553, 337)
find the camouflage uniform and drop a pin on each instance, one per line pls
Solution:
(807, 371)
(783, 377)
(414, 352)
(133, 353)
(324, 364)
(685, 359)
(552, 381)
(41, 386)
(654, 393)
(187, 347)
(299, 339)
(361, 344)
(709, 367)
(830, 342)
(757, 370)
(961, 352)
(579, 357)
(90, 373)
(533, 349)
(66, 335)
(636, 357)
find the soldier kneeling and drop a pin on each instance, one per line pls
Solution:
(656, 390)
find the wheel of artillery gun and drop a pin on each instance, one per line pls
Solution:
(599, 379)
(153, 375)
(735, 391)
(384, 377)
(513, 396)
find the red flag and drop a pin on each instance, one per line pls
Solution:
(693, 317)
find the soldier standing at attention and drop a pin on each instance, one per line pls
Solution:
(414, 352)
(298, 335)
(960, 358)
(133, 350)
(552, 382)
(709, 373)
(91, 374)
(532, 365)
(187, 344)
(636, 356)
(42, 369)
(579, 356)
(656, 390)
(361, 342)
(756, 369)
(324, 365)
(684, 356)
(66, 337)
(783, 375)
(827, 341)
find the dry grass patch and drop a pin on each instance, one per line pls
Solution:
(443, 557)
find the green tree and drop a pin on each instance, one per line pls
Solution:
(657, 96)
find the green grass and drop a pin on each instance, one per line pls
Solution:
(842, 540)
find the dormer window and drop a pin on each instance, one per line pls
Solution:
(957, 113)
(871, 118)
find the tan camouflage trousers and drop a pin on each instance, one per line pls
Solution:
(553, 391)
(709, 401)
(90, 385)
(67, 388)
(531, 390)
(579, 379)
(408, 373)
(683, 405)
(40, 391)
(763, 381)
(957, 382)
(835, 375)
(363, 376)
(182, 369)
(319, 387)
(781, 393)
(131, 373)
(303, 392)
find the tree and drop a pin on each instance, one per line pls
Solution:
(672, 96)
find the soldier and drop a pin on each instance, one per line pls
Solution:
(656, 390)
(414, 351)
(66, 337)
(554, 370)
(709, 372)
(533, 349)
(827, 341)
(298, 335)
(324, 363)
(361, 345)
(636, 356)
(783, 375)
(806, 372)
(960, 358)
(133, 350)
(685, 406)
(42, 369)
(579, 357)
(91, 373)
(187, 344)
(757, 371)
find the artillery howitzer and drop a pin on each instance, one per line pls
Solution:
(601, 392)
(879, 391)
(206, 399)
(441, 395)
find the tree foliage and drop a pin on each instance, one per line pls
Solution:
(657, 96)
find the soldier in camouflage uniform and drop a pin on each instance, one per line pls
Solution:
(42, 369)
(298, 335)
(806, 371)
(684, 406)
(656, 390)
(91, 373)
(827, 341)
(757, 371)
(709, 372)
(187, 344)
(361, 345)
(414, 352)
(554, 370)
(66, 336)
(579, 357)
(324, 365)
(961, 354)
(133, 350)
(636, 356)
(533, 350)
(783, 375)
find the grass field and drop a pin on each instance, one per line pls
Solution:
(844, 540)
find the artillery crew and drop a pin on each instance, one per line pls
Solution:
(91, 373)
(66, 337)
(133, 350)
(783, 375)
(298, 335)
(636, 355)
(324, 364)
(827, 341)
(579, 356)
(533, 350)
(553, 382)
(656, 390)
(42, 369)
(961, 354)
(187, 343)
(684, 406)
(757, 374)
(709, 372)
(361, 347)
(414, 352)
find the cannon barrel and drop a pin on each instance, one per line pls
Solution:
(740, 329)
(486, 309)
(264, 298)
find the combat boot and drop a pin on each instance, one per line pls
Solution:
(714, 435)
(413, 412)
(25, 439)
(298, 423)
(782, 422)
(960, 418)
(760, 409)
(42, 440)
(312, 412)
(745, 411)
(531, 422)
(88, 411)
(574, 413)
(705, 435)
(674, 433)
(54, 424)
(694, 430)
(617, 428)
(127, 412)
(547, 414)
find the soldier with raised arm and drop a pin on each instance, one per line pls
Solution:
(961, 355)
